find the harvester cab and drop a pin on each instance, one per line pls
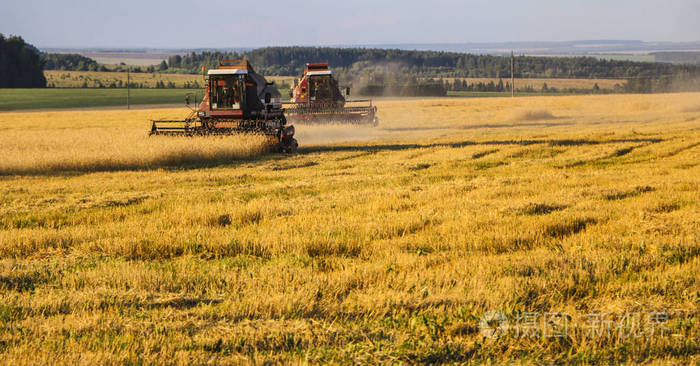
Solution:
(236, 100)
(234, 89)
(318, 87)
(317, 98)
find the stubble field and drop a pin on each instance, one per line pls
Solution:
(572, 216)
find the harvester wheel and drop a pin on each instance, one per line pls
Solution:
(283, 147)
(291, 147)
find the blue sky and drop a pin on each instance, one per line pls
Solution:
(217, 23)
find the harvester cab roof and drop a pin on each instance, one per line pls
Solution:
(317, 68)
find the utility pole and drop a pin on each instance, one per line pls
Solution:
(512, 75)
(128, 81)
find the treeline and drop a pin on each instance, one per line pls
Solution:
(408, 73)
(70, 61)
(685, 57)
(122, 67)
(663, 84)
(291, 60)
(394, 72)
(20, 64)
(76, 62)
(440, 87)
(460, 85)
(411, 88)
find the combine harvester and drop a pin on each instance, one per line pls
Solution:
(236, 100)
(317, 99)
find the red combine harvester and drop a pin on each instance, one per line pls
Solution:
(317, 98)
(236, 100)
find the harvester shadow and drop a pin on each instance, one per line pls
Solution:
(277, 158)
(520, 124)
(267, 157)
(398, 147)
(485, 125)
(183, 303)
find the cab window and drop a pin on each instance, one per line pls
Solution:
(227, 92)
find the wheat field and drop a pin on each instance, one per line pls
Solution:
(370, 245)
(88, 141)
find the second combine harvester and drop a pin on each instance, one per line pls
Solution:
(317, 99)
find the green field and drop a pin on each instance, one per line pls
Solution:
(19, 99)
(16, 99)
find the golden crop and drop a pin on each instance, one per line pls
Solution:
(370, 245)
(82, 141)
